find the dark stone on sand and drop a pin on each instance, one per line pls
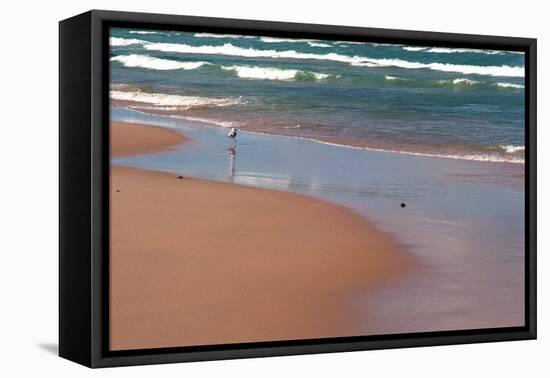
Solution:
(180, 177)
(403, 205)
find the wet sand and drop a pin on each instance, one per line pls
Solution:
(196, 262)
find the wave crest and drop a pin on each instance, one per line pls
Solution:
(317, 44)
(284, 40)
(145, 61)
(166, 100)
(212, 35)
(449, 50)
(512, 149)
(508, 71)
(231, 50)
(271, 73)
(143, 32)
(115, 41)
(510, 85)
(388, 77)
(459, 82)
(414, 48)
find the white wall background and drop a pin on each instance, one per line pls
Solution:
(28, 199)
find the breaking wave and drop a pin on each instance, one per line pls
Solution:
(283, 40)
(508, 71)
(414, 48)
(166, 100)
(272, 73)
(115, 41)
(211, 35)
(512, 149)
(231, 50)
(143, 32)
(145, 61)
(388, 77)
(459, 81)
(449, 50)
(510, 85)
(317, 44)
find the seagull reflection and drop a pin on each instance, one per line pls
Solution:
(232, 152)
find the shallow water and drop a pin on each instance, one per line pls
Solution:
(463, 220)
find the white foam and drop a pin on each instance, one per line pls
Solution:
(507, 71)
(161, 99)
(414, 48)
(283, 40)
(447, 50)
(145, 61)
(272, 73)
(510, 85)
(231, 50)
(212, 35)
(143, 32)
(459, 81)
(388, 77)
(511, 148)
(115, 41)
(316, 44)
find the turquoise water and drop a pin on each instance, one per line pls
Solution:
(463, 220)
(459, 103)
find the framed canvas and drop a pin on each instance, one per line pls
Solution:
(234, 188)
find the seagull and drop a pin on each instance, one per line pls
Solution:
(233, 135)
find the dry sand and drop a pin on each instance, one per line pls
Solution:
(196, 262)
(135, 138)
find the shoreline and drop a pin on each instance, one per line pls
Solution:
(482, 157)
(196, 294)
(472, 158)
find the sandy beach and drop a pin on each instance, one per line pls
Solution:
(134, 138)
(373, 189)
(196, 262)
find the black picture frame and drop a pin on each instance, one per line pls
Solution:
(84, 188)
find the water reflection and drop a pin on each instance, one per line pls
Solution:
(232, 152)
